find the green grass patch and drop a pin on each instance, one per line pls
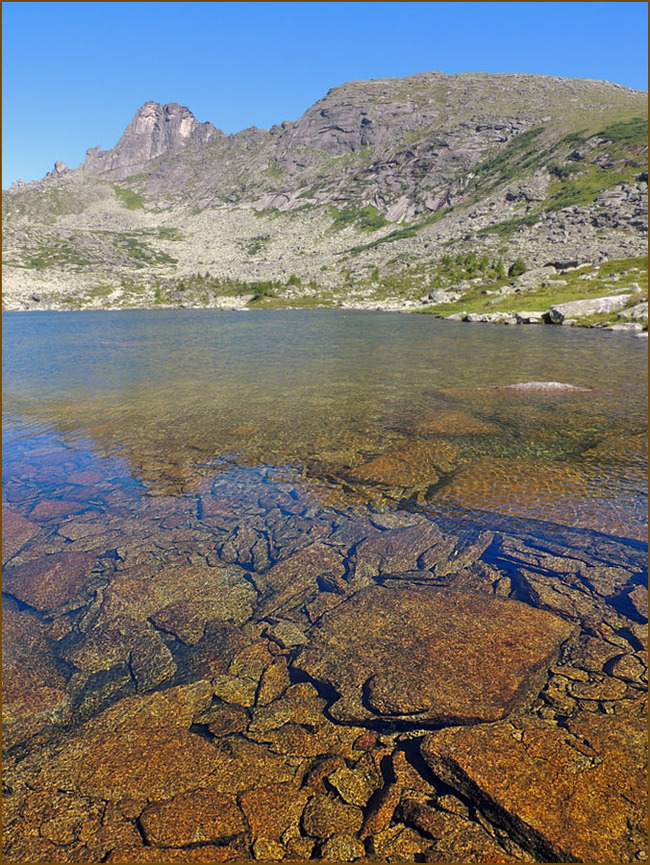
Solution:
(632, 132)
(56, 255)
(139, 251)
(509, 226)
(173, 234)
(128, 198)
(631, 270)
(512, 161)
(365, 219)
(255, 244)
(581, 189)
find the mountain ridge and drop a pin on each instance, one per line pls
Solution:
(417, 167)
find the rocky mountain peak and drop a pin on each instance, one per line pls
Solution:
(154, 131)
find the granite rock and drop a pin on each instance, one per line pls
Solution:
(426, 654)
(572, 793)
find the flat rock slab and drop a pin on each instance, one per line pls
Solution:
(430, 654)
(197, 816)
(590, 306)
(574, 794)
(16, 533)
(32, 684)
(553, 491)
(51, 581)
(398, 550)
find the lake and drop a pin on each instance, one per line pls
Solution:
(276, 584)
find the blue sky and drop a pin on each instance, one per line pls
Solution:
(74, 74)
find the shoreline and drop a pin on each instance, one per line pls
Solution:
(632, 329)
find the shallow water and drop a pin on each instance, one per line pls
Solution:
(161, 447)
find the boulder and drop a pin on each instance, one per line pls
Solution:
(531, 317)
(590, 306)
(486, 317)
(531, 279)
(439, 295)
(638, 313)
(429, 654)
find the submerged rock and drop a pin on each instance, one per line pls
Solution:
(326, 816)
(290, 578)
(429, 654)
(412, 467)
(270, 811)
(197, 816)
(556, 492)
(541, 386)
(573, 793)
(50, 581)
(16, 533)
(454, 423)
(182, 600)
(32, 686)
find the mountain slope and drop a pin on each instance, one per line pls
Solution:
(501, 166)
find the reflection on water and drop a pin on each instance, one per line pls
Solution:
(188, 498)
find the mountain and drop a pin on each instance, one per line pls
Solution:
(383, 189)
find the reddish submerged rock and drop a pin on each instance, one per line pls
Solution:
(16, 533)
(430, 654)
(51, 581)
(413, 467)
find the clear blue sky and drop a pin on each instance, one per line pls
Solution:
(74, 74)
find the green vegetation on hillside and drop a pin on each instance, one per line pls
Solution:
(634, 131)
(587, 281)
(365, 219)
(128, 198)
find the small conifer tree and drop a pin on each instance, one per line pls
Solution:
(517, 268)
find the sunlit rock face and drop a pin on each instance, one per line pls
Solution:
(155, 130)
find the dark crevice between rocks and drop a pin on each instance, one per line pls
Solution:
(632, 639)
(96, 695)
(411, 749)
(523, 593)
(139, 828)
(623, 605)
(525, 836)
(608, 667)
(203, 731)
